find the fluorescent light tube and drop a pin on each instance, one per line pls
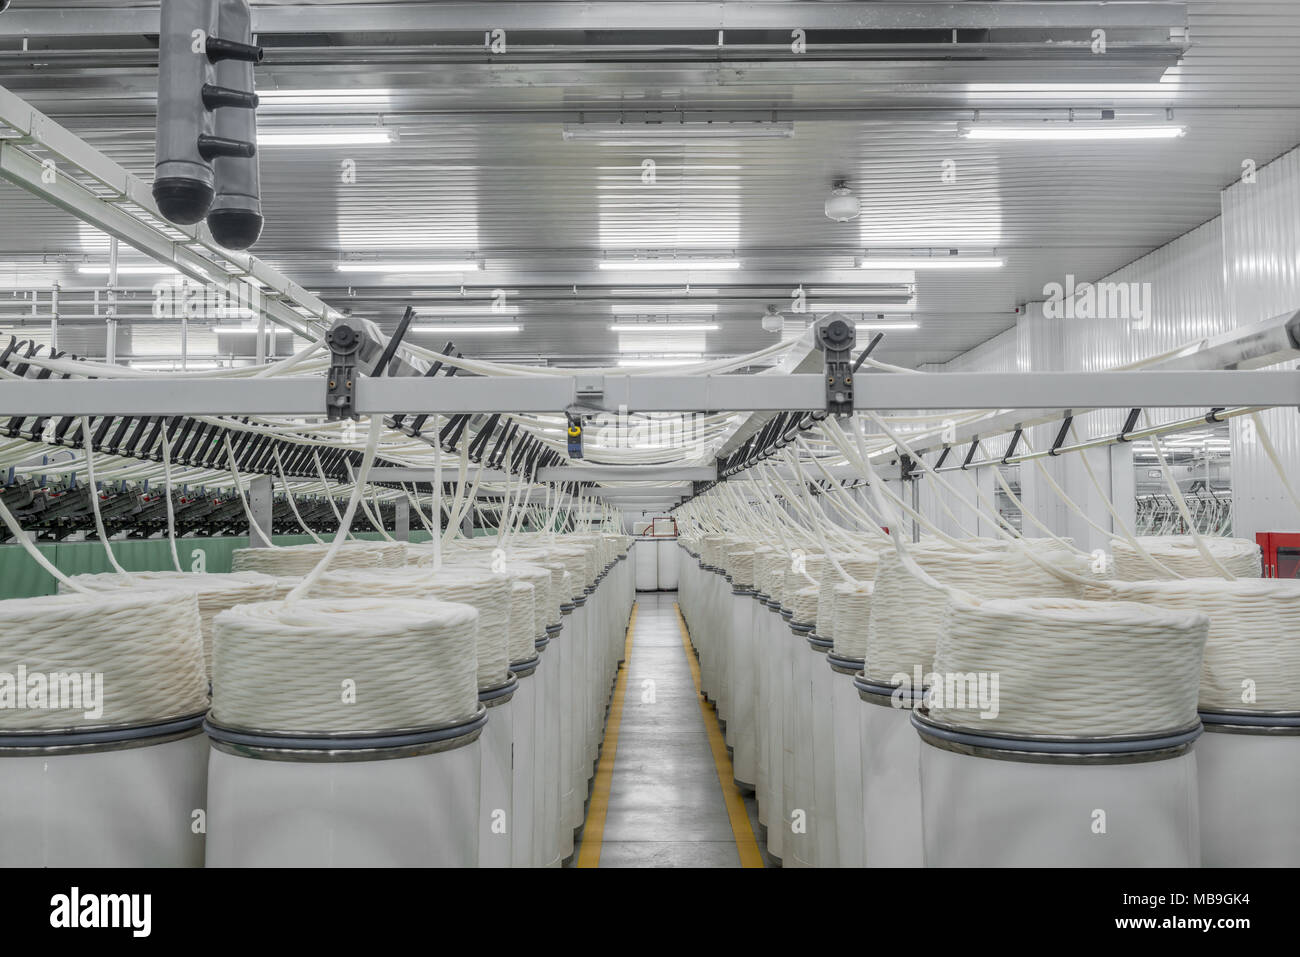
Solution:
(248, 330)
(664, 327)
(466, 309)
(934, 262)
(663, 309)
(817, 308)
(656, 134)
(1060, 130)
(679, 265)
(323, 97)
(423, 266)
(371, 136)
(155, 270)
(665, 361)
(870, 326)
(193, 365)
(462, 327)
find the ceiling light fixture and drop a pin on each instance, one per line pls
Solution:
(841, 205)
(934, 262)
(667, 327)
(191, 365)
(326, 136)
(247, 330)
(820, 308)
(464, 328)
(664, 360)
(659, 133)
(872, 326)
(646, 265)
(408, 268)
(323, 97)
(466, 310)
(157, 269)
(1069, 130)
(663, 308)
(773, 321)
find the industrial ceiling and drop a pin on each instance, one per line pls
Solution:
(797, 96)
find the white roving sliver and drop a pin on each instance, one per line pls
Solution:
(335, 665)
(1252, 654)
(803, 607)
(797, 578)
(522, 636)
(1180, 555)
(296, 561)
(740, 564)
(540, 578)
(862, 566)
(1073, 667)
(216, 592)
(852, 613)
(903, 623)
(146, 645)
(477, 587)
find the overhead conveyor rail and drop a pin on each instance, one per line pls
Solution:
(305, 396)
(1143, 38)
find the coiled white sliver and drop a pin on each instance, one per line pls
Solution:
(740, 563)
(523, 630)
(298, 560)
(147, 645)
(391, 554)
(476, 587)
(862, 566)
(522, 635)
(852, 610)
(216, 592)
(556, 592)
(903, 623)
(1180, 554)
(807, 571)
(540, 579)
(803, 607)
(776, 581)
(1252, 654)
(578, 556)
(292, 666)
(576, 562)
(1072, 667)
(766, 558)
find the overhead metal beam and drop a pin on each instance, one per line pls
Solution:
(305, 396)
(1254, 346)
(682, 15)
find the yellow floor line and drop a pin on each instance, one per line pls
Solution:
(746, 843)
(593, 830)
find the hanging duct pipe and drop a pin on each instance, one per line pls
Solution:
(203, 121)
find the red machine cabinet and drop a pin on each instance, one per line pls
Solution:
(1281, 553)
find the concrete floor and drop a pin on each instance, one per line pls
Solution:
(666, 806)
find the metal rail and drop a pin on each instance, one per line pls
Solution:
(305, 396)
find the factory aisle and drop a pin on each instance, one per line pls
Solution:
(666, 805)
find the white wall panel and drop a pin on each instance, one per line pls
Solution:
(1262, 265)
(1177, 296)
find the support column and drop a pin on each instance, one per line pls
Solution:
(402, 520)
(1123, 484)
(260, 503)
